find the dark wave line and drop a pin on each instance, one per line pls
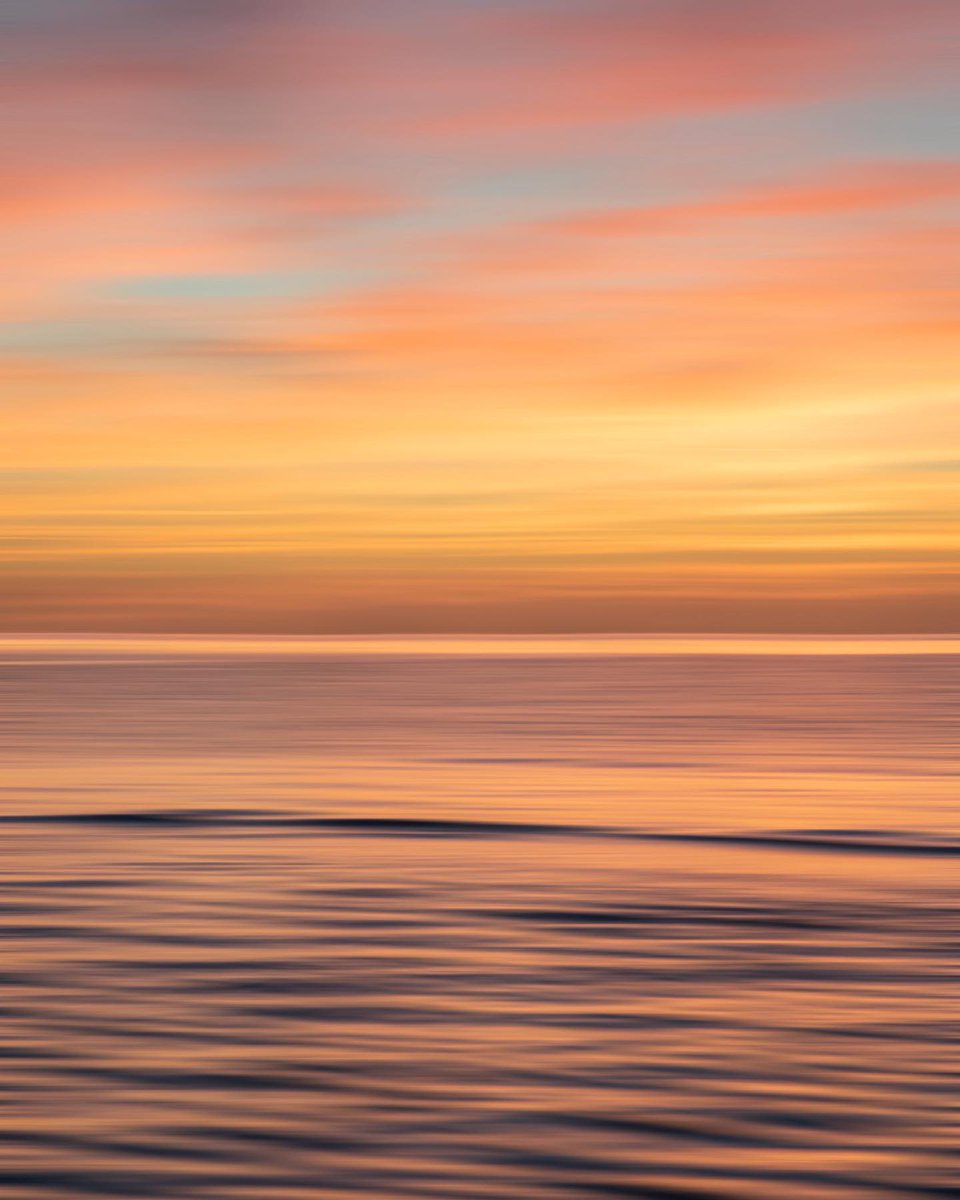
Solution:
(225, 819)
(867, 844)
(859, 842)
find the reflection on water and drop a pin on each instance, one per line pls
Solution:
(471, 924)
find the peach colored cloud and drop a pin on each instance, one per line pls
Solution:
(760, 318)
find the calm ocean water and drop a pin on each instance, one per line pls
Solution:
(447, 920)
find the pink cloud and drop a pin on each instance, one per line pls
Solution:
(872, 187)
(509, 73)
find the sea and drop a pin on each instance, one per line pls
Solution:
(479, 918)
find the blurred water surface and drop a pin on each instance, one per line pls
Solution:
(510, 920)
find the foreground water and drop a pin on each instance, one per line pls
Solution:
(478, 920)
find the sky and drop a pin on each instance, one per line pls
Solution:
(488, 316)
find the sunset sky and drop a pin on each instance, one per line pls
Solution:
(359, 316)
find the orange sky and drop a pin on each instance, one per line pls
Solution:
(521, 316)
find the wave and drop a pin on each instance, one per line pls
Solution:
(842, 841)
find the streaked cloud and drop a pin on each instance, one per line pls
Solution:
(428, 314)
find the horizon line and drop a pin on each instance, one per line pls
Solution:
(608, 644)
